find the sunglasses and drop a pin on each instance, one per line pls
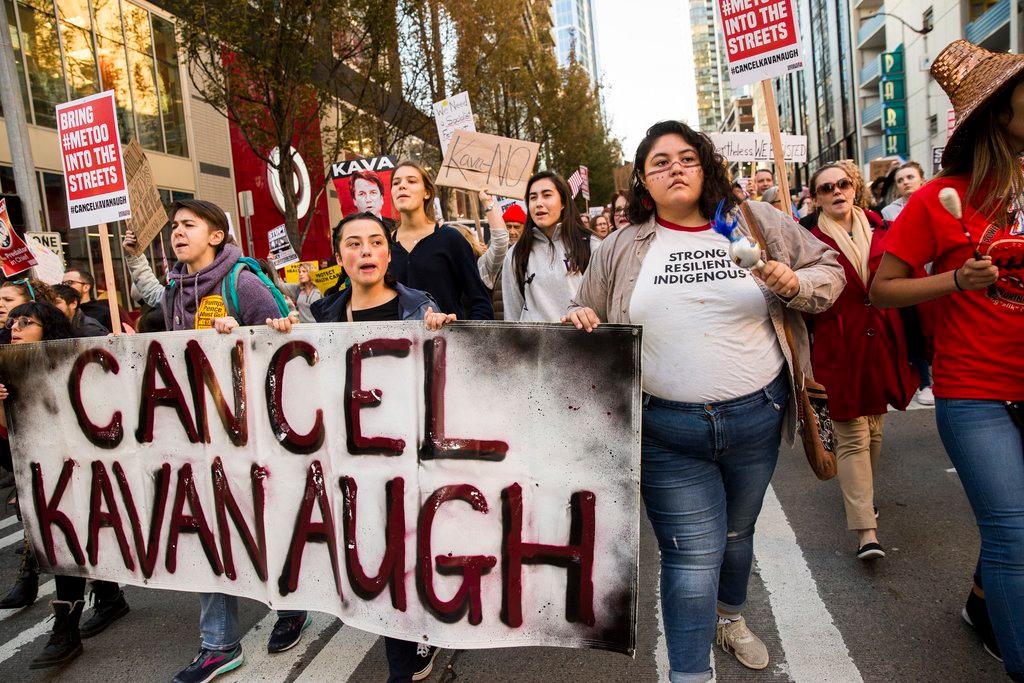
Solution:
(829, 188)
(21, 322)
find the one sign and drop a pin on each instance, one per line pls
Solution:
(761, 39)
(758, 146)
(50, 240)
(950, 122)
(370, 471)
(49, 266)
(280, 247)
(90, 152)
(937, 159)
(478, 161)
(365, 185)
(451, 115)
(15, 256)
(148, 213)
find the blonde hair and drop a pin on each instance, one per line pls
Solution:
(474, 242)
(428, 185)
(861, 194)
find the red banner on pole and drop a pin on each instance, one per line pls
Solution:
(15, 256)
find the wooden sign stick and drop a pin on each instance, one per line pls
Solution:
(781, 179)
(108, 275)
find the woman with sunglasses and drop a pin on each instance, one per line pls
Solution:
(859, 351)
(717, 392)
(978, 266)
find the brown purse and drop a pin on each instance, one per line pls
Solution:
(813, 420)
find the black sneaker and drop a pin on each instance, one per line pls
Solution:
(975, 615)
(288, 632)
(209, 664)
(870, 551)
(425, 656)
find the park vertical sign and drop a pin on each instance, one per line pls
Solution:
(761, 39)
(90, 152)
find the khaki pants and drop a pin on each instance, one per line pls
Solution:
(858, 445)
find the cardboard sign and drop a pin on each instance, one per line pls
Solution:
(90, 153)
(49, 266)
(371, 471)
(451, 115)
(758, 146)
(365, 185)
(15, 256)
(280, 247)
(210, 308)
(148, 213)
(761, 39)
(478, 161)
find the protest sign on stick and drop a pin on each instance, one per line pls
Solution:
(280, 248)
(308, 471)
(148, 213)
(736, 146)
(365, 185)
(452, 114)
(15, 256)
(478, 161)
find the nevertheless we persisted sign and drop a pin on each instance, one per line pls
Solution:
(473, 488)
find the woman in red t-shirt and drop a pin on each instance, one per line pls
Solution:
(978, 286)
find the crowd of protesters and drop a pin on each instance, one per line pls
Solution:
(869, 288)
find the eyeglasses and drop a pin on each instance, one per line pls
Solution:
(829, 188)
(74, 282)
(620, 212)
(21, 322)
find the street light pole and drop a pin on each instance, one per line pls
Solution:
(17, 131)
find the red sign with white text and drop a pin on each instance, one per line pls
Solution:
(90, 151)
(761, 39)
(15, 256)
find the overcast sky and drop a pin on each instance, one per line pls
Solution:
(646, 61)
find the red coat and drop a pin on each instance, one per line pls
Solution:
(859, 351)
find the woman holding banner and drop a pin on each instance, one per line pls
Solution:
(543, 271)
(717, 393)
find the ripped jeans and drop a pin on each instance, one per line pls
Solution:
(705, 470)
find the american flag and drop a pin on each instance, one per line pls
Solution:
(580, 180)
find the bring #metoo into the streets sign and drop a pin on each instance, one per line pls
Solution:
(473, 488)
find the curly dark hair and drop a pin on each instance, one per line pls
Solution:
(717, 185)
(55, 324)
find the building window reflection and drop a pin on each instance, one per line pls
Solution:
(171, 105)
(37, 40)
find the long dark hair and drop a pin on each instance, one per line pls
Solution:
(575, 238)
(717, 185)
(339, 233)
(55, 324)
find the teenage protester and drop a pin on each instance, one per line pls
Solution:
(601, 226)
(763, 179)
(717, 393)
(909, 179)
(305, 293)
(979, 368)
(620, 205)
(430, 256)
(363, 248)
(195, 298)
(34, 322)
(67, 300)
(859, 352)
(543, 271)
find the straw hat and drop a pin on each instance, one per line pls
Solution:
(971, 76)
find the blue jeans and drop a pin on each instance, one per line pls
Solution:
(986, 449)
(705, 470)
(218, 620)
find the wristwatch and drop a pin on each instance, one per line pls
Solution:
(487, 208)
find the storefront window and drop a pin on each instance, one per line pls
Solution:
(143, 76)
(41, 52)
(169, 78)
(79, 52)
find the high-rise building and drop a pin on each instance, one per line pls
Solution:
(574, 34)
(708, 65)
(832, 128)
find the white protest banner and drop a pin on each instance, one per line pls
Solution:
(465, 488)
(452, 114)
(50, 240)
(280, 247)
(478, 161)
(90, 152)
(758, 146)
(15, 256)
(49, 266)
(761, 39)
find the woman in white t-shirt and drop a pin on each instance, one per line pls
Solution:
(717, 391)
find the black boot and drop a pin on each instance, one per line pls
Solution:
(105, 611)
(65, 643)
(26, 588)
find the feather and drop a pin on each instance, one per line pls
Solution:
(721, 225)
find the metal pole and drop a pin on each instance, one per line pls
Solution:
(17, 131)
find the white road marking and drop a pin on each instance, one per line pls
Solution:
(12, 646)
(661, 646)
(340, 657)
(11, 539)
(45, 590)
(260, 665)
(813, 646)
(8, 521)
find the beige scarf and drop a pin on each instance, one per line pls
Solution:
(855, 248)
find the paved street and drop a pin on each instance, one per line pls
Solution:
(823, 615)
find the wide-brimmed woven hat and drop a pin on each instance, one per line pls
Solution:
(971, 76)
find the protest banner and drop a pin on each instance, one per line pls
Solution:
(365, 185)
(280, 248)
(148, 213)
(15, 256)
(49, 266)
(50, 240)
(325, 278)
(452, 114)
(761, 39)
(478, 161)
(758, 147)
(378, 472)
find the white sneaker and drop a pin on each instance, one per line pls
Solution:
(925, 397)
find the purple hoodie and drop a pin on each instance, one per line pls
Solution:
(254, 299)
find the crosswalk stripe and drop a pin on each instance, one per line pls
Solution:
(813, 646)
(340, 657)
(12, 646)
(260, 665)
(11, 539)
(45, 590)
(8, 521)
